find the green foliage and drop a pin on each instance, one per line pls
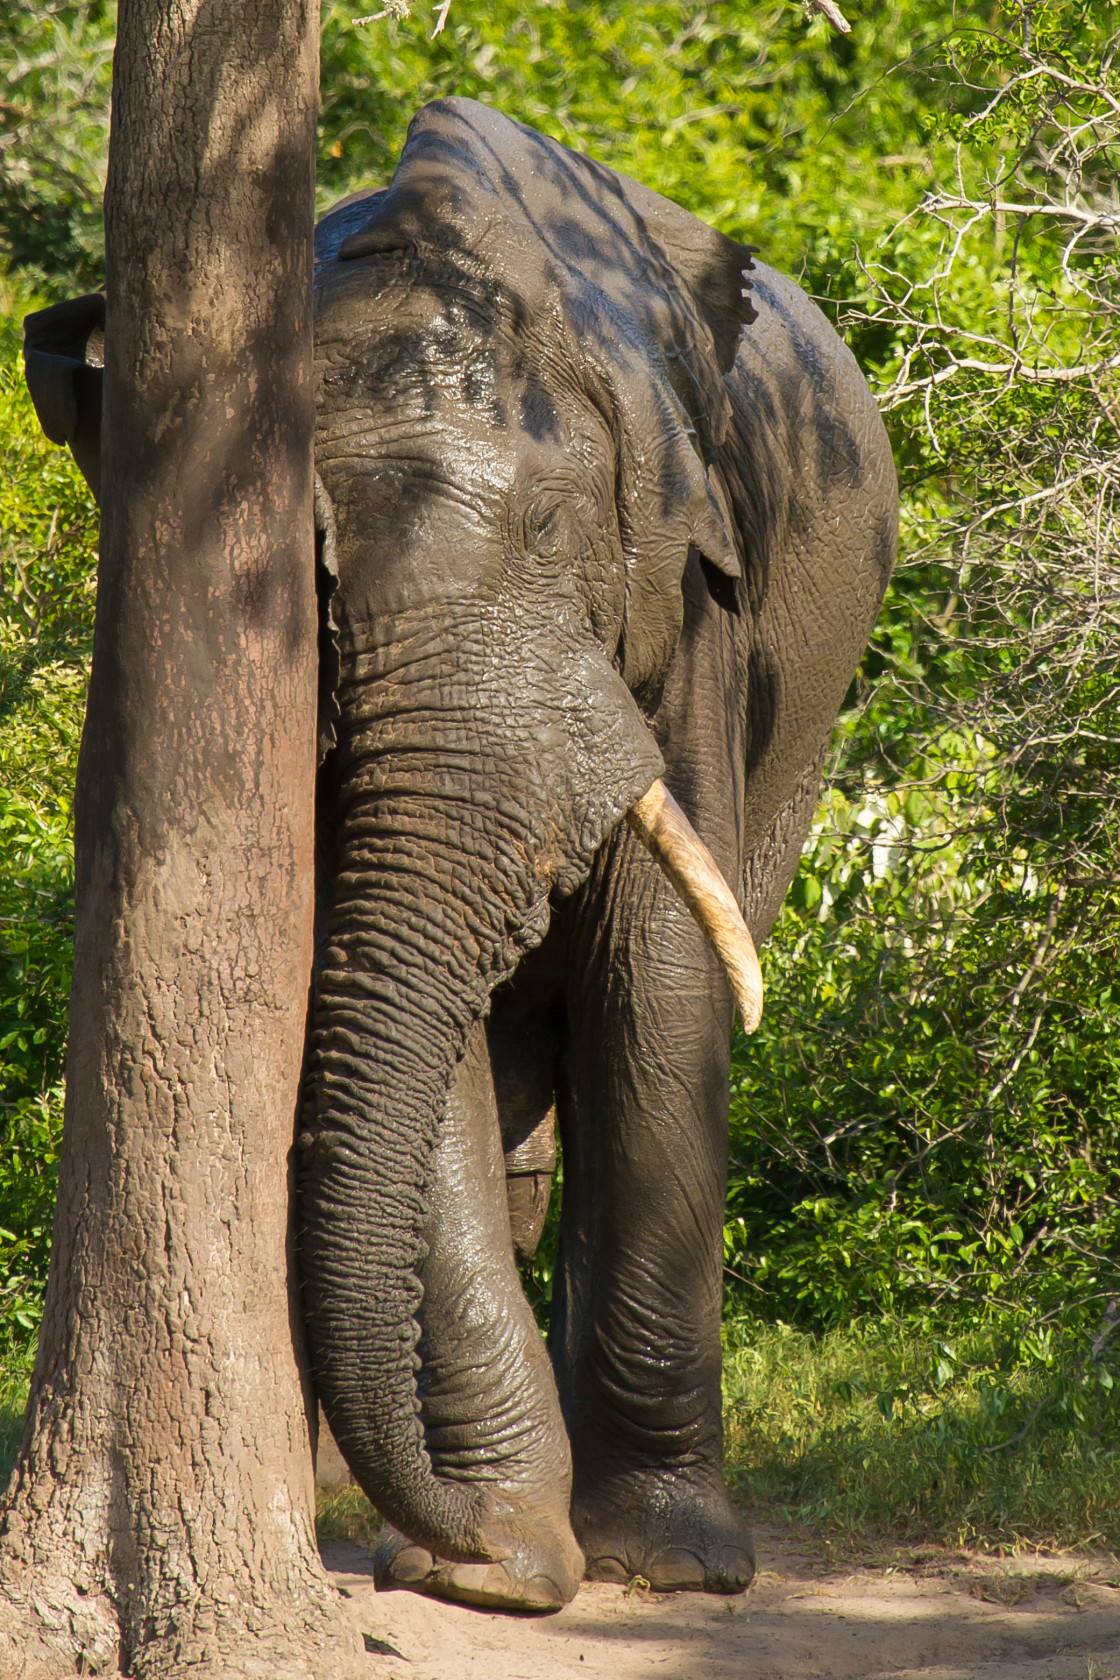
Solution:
(905, 1136)
(927, 1124)
(15, 1374)
(54, 126)
(47, 564)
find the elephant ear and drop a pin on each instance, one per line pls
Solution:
(63, 354)
(652, 301)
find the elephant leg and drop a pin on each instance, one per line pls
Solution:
(635, 1339)
(488, 1399)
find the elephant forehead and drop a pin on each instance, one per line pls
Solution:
(399, 365)
(399, 334)
(427, 349)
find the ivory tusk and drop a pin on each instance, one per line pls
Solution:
(662, 826)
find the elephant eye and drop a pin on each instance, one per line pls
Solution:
(543, 524)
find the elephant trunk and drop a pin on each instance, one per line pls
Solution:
(421, 930)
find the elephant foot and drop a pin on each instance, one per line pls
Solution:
(540, 1574)
(668, 1532)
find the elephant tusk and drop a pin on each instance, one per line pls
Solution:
(662, 826)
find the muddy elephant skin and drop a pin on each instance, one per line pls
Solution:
(602, 499)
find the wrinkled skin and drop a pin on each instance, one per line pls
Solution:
(594, 510)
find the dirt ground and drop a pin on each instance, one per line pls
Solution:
(920, 1616)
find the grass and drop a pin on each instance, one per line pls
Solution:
(346, 1515)
(874, 1434)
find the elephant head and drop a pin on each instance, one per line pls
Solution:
(520, 409)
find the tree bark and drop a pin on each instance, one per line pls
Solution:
(160, 1516)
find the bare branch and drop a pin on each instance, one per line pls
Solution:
(400, 9)
(828, 9)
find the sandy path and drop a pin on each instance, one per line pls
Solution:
(947, 1618)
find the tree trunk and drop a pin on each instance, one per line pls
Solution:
(160, 1516)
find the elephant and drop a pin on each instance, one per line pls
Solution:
(605, 513)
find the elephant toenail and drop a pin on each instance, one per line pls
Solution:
(412, 1564)
(542, 1593)
(607, 1569)
(676, 1569)
(734, 1569)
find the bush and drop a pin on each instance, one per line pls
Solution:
(927, 1124)
(55, 64)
